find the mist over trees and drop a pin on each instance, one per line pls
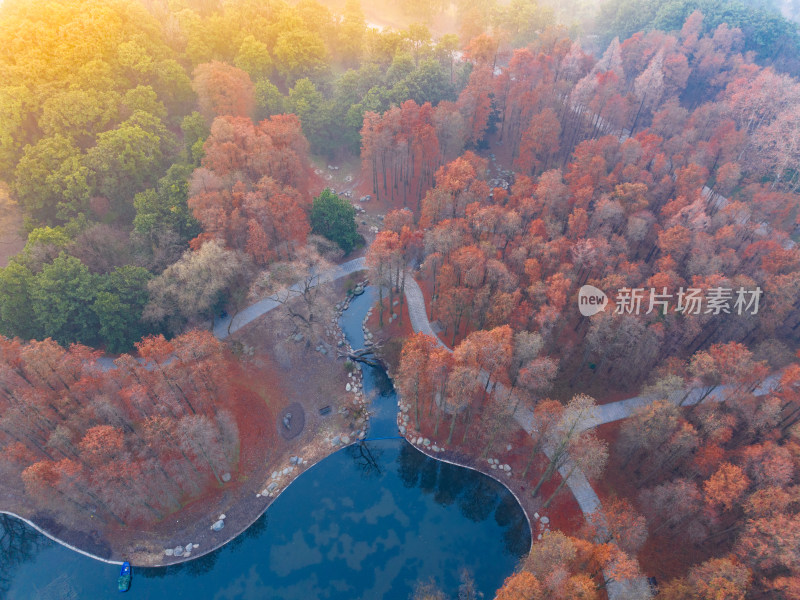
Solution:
(162, 155)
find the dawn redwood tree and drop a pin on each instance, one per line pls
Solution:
(539, 142)
(385, 260)
(223, 90)
(413, 376)
(84, 436)
(521, 586)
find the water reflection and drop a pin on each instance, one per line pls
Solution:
(18, 545)
(370, 521)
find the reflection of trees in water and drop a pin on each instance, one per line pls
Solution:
(449, 484)
(516, 533)
(367, 457)
(480, 498)
(205, 563)
(18, 544)
(429, 475)
(409, 465)
(382, 382)
(477, 496)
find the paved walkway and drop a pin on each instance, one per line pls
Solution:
(224, 327)
(578, 484)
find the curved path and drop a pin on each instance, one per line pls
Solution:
(579, 485)
(224, 327)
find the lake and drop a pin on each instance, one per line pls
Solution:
(370, 521)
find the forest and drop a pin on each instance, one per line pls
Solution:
(82, 438)
(664, 165)
(165, 158)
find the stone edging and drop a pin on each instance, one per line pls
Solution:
(353, 267)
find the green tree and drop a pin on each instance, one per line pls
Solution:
(51, 180)
(195, 131)
(61, 296)
(299, 53)
(335, 218)
(79, 114)
(316, 115)
(119, 306)
(14, 105)
(129, 158)
(16, 313)
(173, 86)
(351, 32)
(254, 58)
(144, 98)
(164, 207)
(269, 99)
(429, 83)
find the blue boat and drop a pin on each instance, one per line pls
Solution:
(124, 579)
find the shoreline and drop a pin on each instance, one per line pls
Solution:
(476, 469)
(182, 560)
(192, 529)
(277, 493)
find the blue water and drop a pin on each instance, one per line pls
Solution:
(368, 522)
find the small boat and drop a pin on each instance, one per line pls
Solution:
(124, 579)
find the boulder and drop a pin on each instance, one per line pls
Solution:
(226, 477)
(272, 487)
(345, 439)
(545, 520)
(169, 551)
(177, 551)
(218, 525)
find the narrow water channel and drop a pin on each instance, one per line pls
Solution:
(367, 522)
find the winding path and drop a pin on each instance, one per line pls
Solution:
(224, 327)
(579, 485)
